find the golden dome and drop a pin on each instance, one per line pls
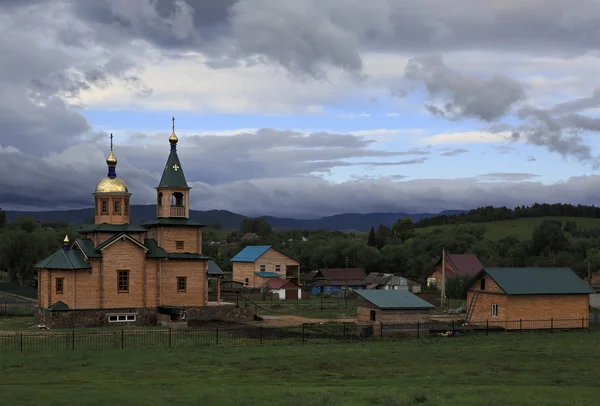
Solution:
(111, 185)
(66, 240)
(173, 138)
(112, 159)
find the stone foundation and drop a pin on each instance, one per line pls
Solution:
(223, 312)
(93, 317)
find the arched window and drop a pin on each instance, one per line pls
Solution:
(177, 199)
(159, 202)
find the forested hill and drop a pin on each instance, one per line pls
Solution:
(490, 213)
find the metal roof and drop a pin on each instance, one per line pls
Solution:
(250, 253)
(394, 299)
(213, 268)
(538, 281)
(64, 260)
(171, 221)
(173, 176)
(267, 274)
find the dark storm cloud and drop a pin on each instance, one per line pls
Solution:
(463, 96)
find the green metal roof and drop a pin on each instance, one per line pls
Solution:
(394, 299)
(154, 251)
(173, 176)
(87, 246)
(111, 228)
(267, 274)
(538, 281)
(109, 240)
(65, 260)
(214, 269)
(171, 221)
(59, 306)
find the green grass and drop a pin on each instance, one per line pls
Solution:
(519, 228)
(504, 369)
(314, 308)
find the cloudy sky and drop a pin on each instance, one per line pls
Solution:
(303, 108)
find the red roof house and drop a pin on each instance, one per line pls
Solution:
(285, 288)
(457, 265)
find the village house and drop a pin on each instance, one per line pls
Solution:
(335, 280)
(528, 298)
(457, 265)
(286, 289)
(255, 264)
(390, 306)
(306, 279)
(115, 272)
(388, 281)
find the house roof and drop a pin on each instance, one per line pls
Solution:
(59, 306)
(173, 176)
(377, 278)
(538, 281)
(342, 274)
(111, 228)
(65, 260)
(213, 269)
(115, 238)
(174, 221)
(267, 274)
(338, 282)
(394, 299)
(186, 255)
(154, 250)
(464, 264)
(249, 235)
(278, 283)
(87, 247)
(308, 276)
(250, 253)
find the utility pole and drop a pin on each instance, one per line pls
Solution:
(346, 283)
(589, 272)
(443, 277)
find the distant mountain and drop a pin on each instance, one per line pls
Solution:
(232, 221)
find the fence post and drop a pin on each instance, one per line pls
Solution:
(487, 327)
(552, 325)
(453, 327)
(344, 331)
(418, 328)
(261, 335)
(381, 329)
(302, 333)
(5, 308)
(170, 338)
(521, 326)
(217, 335)
(122, 338)
(321, 300)
(21, 342)
(73, 340)
(582, 324)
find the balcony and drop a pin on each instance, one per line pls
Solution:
(177, 211)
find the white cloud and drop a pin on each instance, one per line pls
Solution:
(468, 137)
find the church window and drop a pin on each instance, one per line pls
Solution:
(179, 245)
(126, 207)
(104, 204)
(181, 283)
(117, 208)
(59, 285)
(123, 281)
(160, 198)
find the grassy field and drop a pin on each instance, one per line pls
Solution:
(519, 228)
(532, 369)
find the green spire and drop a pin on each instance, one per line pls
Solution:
(173, 174)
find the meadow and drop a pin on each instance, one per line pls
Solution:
(504, 369)
(519, 228)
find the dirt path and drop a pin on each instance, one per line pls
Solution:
(297, 320)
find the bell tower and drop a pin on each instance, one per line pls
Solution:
(111, 197)
(172, 193)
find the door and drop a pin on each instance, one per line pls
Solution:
(291, 294)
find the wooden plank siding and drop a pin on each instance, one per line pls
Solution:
(270, 259)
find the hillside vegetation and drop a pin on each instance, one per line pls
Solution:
(521, 228)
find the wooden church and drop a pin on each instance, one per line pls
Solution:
(116, 272)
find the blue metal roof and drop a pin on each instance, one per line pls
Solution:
(251, 253)
(267, 274)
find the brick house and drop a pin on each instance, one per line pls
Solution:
(334, 280)
(390, 306)
(255, 264)
(528, 298)
(116, 272)
(457, 265)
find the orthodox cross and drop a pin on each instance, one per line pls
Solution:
(111, 136)
(175, 167)
(173, 124)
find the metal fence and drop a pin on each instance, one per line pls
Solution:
(246, 336)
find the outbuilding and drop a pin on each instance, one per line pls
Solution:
(390, 306)
(528, 298)
(285, 288)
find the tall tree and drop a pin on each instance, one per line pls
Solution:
(372, 239)
(2, 218)
(403, 229)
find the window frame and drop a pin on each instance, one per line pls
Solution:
(122, 317)
(180, 245)
(179, 280)
(482, 284)
(62, 286)
(278, 268)
(494, 310)
(103, 203)
(372, 315)
(247, 282)
(126, 272)
(116, 207)
(263, 268)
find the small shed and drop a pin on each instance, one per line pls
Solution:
(528, 298)
(285, 288)
(390, 306)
